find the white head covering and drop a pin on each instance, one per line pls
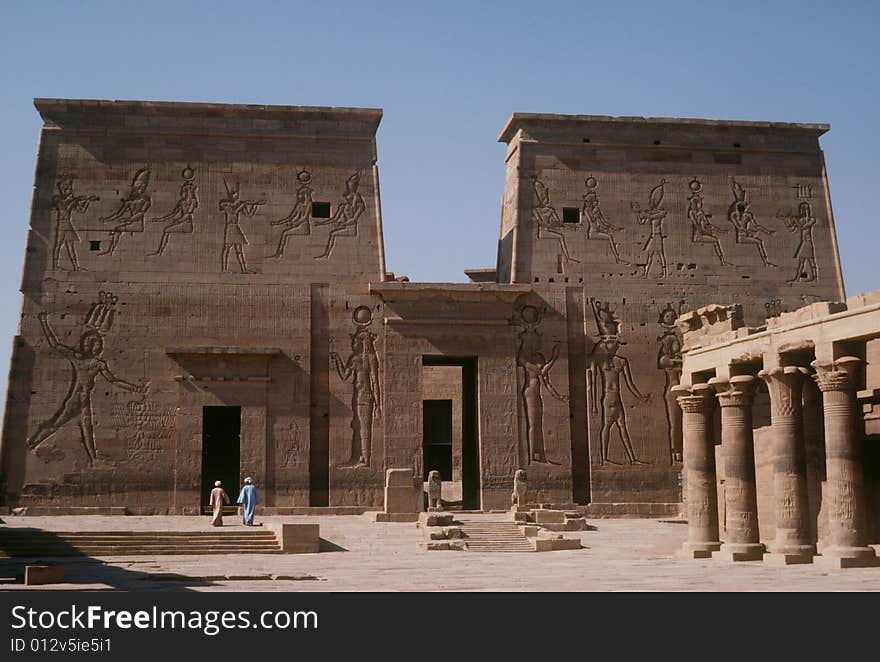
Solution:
(248, 480)
(216, 483)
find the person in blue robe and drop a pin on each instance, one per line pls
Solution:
(248, 500)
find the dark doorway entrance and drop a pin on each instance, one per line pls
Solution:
(470, 447)
(221, 450)
(437, 437)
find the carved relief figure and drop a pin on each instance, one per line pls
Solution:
(362, 366)
(87, 363)
(548, 223)
(702, 229)
(150, 422)
(129, 217)
(669, 360)
(535, 377)
(344, 222)
(297, 221)
(655, 215)
(233, 236)
(65, 203)
(605, 368)
(599, 227)
(804, 222)
(180, 219)
(745, 225)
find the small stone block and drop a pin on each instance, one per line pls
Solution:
(844, 562)
(455, 546)
(549, 516)
(555, 544)
(453, 531)
(521, 516)
(392, 517)
(436, 519)
(787, 559)
(43, 574)
(736, 557)
(531, 531)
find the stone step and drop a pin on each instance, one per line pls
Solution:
(494, 536)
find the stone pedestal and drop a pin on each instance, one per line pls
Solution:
(844, 487)
(738, 452)
(793, 542)
(701, 497)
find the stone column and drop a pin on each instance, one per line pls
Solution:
(738, 452)
(793, 542)
(844, 488)
(701, 500)
(813, 424)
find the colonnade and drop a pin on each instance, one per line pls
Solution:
(791, 404)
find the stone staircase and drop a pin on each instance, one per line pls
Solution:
(38, 543)
(484, 534)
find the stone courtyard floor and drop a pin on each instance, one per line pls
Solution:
(359, 555)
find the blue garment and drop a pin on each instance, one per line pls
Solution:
(248, 500)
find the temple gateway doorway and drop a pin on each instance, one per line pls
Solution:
(221, 451)
(449, 427)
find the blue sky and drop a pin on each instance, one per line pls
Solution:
(448, 75)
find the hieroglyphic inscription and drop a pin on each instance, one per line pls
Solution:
(146, 425)
(290, 445)
(87, 363)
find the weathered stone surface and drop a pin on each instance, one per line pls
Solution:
(184, 258)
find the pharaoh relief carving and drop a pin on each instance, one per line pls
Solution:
(535, 375)
(653, 215)
(65, 203)
(549, 225)
(362, 367)
(180, 219)
(605, 366)
(344, 222)
(703, 231)
(599, 227)
(87, 363)
(291, 445)
(669, 361)
(803, 223)
(746, 228)
(234, 238)
(129, 216)
(296, 223)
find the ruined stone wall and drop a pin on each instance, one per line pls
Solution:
(182, 256)
(653, 218)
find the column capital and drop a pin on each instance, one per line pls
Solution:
(838, 375)
(785, 385)
(738, 391)
(696, 399)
